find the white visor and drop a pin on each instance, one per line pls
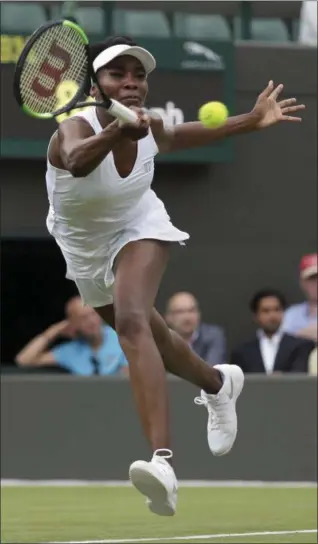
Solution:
(109, 54)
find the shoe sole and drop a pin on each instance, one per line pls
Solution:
(237, 379)
(147, 483)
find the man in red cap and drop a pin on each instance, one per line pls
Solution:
(301, 319)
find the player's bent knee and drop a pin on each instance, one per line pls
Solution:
(131, 327)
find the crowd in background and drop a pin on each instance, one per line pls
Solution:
(285, 339)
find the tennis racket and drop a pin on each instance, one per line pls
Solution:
(53, 72)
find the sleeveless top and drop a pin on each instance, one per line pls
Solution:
(85, 212)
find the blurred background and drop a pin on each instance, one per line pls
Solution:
(249, 203)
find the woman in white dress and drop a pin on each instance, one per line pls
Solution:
(115, 236)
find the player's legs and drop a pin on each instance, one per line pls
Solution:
(180, 359)
(155, 479)
(218, 395)
(138, 271)
(139, 268)
(145, 336)
(150, 346)
(107, 313)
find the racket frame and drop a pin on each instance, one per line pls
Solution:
(21, 61)
(115, 108)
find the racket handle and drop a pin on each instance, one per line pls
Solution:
(124, 114)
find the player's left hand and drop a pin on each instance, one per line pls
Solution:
(272, 111)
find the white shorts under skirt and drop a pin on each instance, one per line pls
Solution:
(96, 285)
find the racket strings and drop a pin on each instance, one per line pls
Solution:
(55, 68)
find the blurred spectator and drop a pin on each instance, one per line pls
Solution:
(93, 349)
(183, 316)
(301, 319)
(308, 23)
(312, 363)
(271, 351)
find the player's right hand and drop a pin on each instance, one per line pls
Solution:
(138, 131)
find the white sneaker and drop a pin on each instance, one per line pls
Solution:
(222, 419)
(156, 479)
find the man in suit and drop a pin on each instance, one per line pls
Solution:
(207, 341)
(271, 350)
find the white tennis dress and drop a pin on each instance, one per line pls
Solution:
(93, 217)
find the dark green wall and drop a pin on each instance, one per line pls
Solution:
(67, 428)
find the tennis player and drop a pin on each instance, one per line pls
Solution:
(115, 235)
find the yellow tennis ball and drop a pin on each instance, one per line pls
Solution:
(213, 114)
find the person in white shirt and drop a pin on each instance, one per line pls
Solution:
(115, 235)
(308, 23)
(271, 351)
(312, 363)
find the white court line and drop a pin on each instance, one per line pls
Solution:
(126, 483)
(193, 537)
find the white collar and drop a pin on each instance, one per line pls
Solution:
(275, 339)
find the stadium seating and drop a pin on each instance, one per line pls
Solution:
(273, 30)
(141, 23)
(269, 30)
(275, 21)
(92, 19)
(21, 17)
(213, 27)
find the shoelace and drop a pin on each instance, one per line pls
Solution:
(200, 401)
(161, 456)
(213, 422)
(165, 467)
(163, 453)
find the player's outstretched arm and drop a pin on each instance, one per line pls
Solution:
(267, 111)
